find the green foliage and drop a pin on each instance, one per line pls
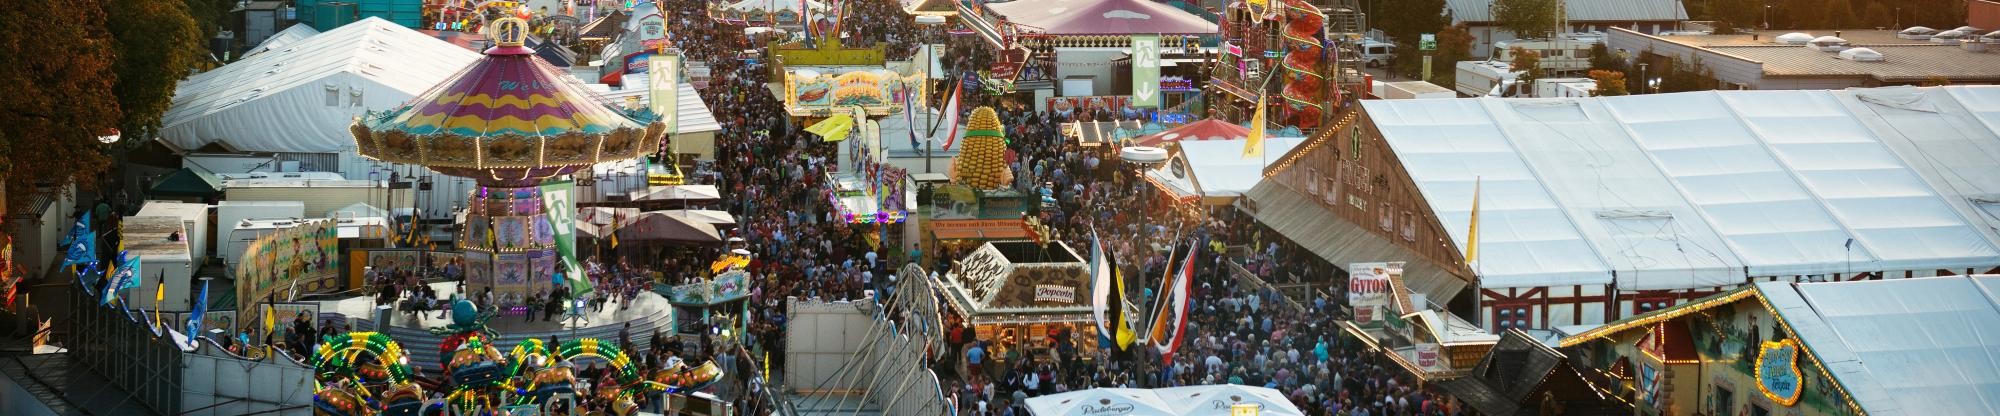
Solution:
(57, 70)
(157, 42)
(1683, 76)
(1454, 44)
(1601, 58)
(1403, 22)
(1609, 83)
(1529, 63)
(1529, 18)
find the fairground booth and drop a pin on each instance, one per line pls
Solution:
(1920, 346)
(716, 306)
(841, 94)
(1406, 329)
(1056, 54)
(1016, 294)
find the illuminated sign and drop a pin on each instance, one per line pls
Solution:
(1778, 371)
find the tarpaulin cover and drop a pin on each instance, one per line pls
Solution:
(1703, 189)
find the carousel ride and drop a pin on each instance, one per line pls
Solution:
(367, 373)
(508, 122)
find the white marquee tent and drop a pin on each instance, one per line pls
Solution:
(1902, 347)
(1711, 189)
(284, 38)
(299, 100)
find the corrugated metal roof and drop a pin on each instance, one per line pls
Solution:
(1580, 11)
(38, 203)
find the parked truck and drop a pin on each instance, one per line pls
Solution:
(1564, 87)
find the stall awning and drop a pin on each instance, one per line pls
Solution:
(187, 182)
(1099, 133)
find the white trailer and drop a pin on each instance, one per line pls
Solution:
(1410, 90)
(231, 215)
(1484, 78)
(163, 258)
(194, 220)
(1564, 87)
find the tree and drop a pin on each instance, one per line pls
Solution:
(1529, 18)
(1454, 43)
(1404, 21)
(1609, 83)
(57, 71)
(1739, 13)
(157, 41)
(1529, 63)
(1602, 58)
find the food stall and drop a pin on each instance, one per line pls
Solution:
(1016, 294)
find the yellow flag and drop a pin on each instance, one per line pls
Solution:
(1254, 145)
(270, 318)
(1472, 235)
(160, 292)
(614, 238)
(833, 128)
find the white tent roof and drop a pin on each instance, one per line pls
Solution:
(1673, 191)
(776, 5)
(1927, 346)
(1218, 168)
(695, 116)
(1215, 400)
(284, 38)
(1095, 402)
(301, 98)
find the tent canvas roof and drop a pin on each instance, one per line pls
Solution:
(677, 192)
(1084, 402)
(1218, 169)
(1102, 17)
(1206, 129)
(1215, 400)
(1903, 346)
(659, 226)
(1689, 190)
(284, 38)
(303, 97)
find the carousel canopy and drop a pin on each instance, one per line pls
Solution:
(509, 111)
(1206, 129)
(1103, 17)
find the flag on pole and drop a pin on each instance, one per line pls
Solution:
(951, 116)
(1178, 304)
(910, 117)
(1254, 145)
(270, 318)
(201, 309)
(1156, 332)
(1472, 235)
(124, 277)
(80, 245)
(1120, 322)
(1100, 290)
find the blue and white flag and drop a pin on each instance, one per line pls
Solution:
(124, 277)
(80, 245)
(200, 309)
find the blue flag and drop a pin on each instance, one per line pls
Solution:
(200, 308)
(121, 278)
(80, 245)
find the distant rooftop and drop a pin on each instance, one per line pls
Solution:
(1905, 60)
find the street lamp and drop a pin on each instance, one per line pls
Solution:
(929, 61)
(1643, 81)
(108, 136)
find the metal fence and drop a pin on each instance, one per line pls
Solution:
(116, 343)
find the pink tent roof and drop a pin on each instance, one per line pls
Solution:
(1102, 17)
(1206, 129)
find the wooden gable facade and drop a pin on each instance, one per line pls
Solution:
(1344, 195)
